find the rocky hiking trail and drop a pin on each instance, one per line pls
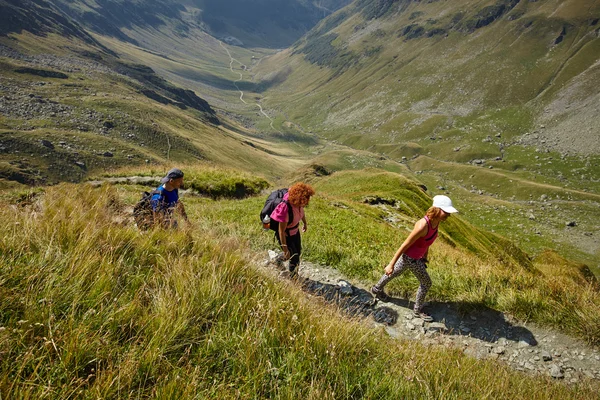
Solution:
(484, 333)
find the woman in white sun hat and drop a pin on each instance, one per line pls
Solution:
(413, 253)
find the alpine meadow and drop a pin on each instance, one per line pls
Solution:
(382, 108)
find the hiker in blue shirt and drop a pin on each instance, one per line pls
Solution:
(165, 200)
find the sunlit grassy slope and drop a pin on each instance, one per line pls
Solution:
(409, 79)
(470, 265)
(98, 119)
(91, 307)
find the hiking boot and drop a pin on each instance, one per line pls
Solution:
(291, 275)
(279, 260)
(424, 316)
(380, 294)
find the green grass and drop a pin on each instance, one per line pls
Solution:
(91, 308)
(468, 264)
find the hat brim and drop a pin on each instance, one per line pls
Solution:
(449, 210)
(165, 180)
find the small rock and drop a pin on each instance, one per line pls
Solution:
(345, 288)
(546, 356)
(529, 366)
(107, 154)
(571, 223)
(47, 143)
(437, 327)
(499, 350)
(523, 344)
(556, 372)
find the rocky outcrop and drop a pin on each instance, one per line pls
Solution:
(39, 17)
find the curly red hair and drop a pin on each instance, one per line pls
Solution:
(299, 194)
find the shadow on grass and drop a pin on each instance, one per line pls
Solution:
(478, 321)
(352, 300)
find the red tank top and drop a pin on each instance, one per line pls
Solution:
(419, 248)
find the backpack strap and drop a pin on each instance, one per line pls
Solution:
(290, 216)
(161, 199)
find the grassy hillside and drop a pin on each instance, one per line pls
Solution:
(470, 265)
(472, 86)
(386, 105)
(71, 110)
(185, 314)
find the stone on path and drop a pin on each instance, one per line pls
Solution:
(437, 327)
(556, 372)
(345, 288)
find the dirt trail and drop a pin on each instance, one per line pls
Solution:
(485, 333)
(231, 61)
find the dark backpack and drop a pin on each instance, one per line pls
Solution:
(142, 211)
(271, 203)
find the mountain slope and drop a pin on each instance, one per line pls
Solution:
(70, 108)
(263, 23)
(401, 64)
(450, 88)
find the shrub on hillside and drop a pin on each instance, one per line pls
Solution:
(225, 184)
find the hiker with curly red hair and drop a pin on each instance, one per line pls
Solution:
(412, 254)
(288, 232)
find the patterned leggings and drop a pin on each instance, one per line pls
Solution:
(418, 268)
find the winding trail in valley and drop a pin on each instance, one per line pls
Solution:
(241, 77)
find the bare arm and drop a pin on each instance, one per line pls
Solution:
(181, 210)
(419, 231)
(304, 224)
(282, 238)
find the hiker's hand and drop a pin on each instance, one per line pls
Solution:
(389, 269)
(304, 228)
(286, 253)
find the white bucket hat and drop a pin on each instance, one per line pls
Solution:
(444, 203)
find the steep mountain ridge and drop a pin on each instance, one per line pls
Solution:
(264, 23)
(39, 17)
(70, 107)
(413, 62)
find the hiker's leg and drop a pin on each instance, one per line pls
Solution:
(398, 269)
(295, 247)
(419, 268)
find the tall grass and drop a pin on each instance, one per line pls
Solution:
(93, 309)
(467, 265)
